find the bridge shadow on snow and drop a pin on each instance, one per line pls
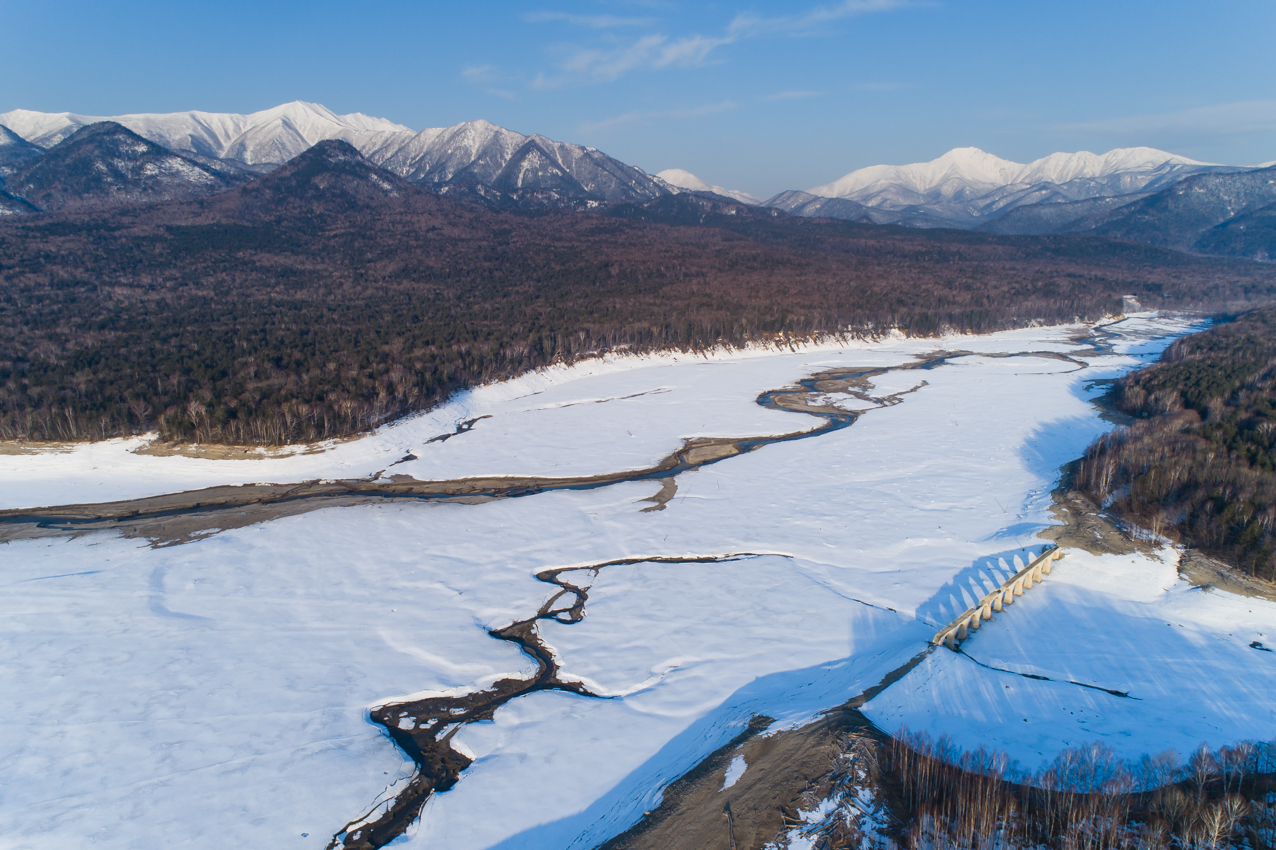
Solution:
(973, 583)
(1043, 453)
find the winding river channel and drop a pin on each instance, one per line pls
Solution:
(424, 728)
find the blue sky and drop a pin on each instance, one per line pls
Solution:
(761, 96)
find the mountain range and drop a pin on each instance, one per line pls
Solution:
(968, 188)
(51, 161)
(475, 159)
(1137, 194)
(263, 139)
(331, 294)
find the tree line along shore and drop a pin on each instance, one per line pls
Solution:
(1199, 463)
(325, 298)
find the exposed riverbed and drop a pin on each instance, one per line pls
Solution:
(223, 650)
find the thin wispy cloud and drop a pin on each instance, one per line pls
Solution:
(645, 116)
(1227, 119)
(652, 52)
(480, 73)
(659, 51)
(596, 22)
(486, 75)
(793, 95)
(808, 22)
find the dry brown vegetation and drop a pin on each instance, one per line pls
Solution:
(914, 792)
(1200, 464)
(328, 297)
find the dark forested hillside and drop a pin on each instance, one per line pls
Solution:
(329, 296)
(1205, 212)
(105, 165)
(1201, 463)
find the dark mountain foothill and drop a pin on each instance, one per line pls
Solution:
(12, 205)
(328, 179)
(1251, 235)
(104, 164)
(806, 204)
(15, 152)
(1184, 215)
(328, 296)
(1042, 218)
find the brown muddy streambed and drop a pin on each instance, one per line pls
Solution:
(181, 517)
(423, 728)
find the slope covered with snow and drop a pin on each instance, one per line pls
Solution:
(217, 692)
(968, 187)
(269, 137)
(687, 180)
(503, 166)
(476, 157)
(971, 172)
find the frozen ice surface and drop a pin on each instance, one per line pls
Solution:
(216, 693)
(596, 416)
(1097, 625)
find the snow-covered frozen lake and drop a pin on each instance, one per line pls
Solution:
(216, 693)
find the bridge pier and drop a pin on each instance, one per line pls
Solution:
(1032, 573)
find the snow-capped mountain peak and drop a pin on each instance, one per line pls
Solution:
(964, 167)
(268, 137)
(969, 187)
(965, 173)
(516, 168)
(1083, 165)
(686, 180)
(474, 158)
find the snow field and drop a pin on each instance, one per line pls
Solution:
(230, 677)
(697, 650)
(218, 693)
(1118, 623)
(596, 416)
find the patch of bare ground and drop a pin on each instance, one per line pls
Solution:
(214, 451)
(784, 769)
(1203, 571)
(697, 813)
(668, 489)
(34, 447)
(180, 517)
(1084, 526)
(161, 448)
